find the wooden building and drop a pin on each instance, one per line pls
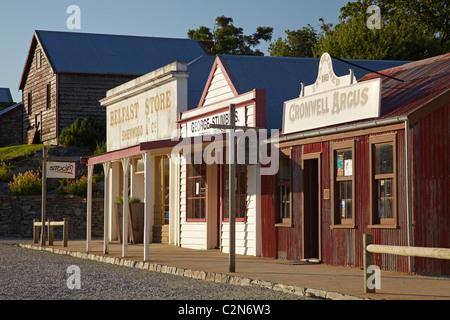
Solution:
(361, 157)
(67, 73)
(152, 118)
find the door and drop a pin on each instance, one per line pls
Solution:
(311, 207)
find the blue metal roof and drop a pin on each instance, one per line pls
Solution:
(281, 77)
(114, 54)
(199, 70)
(5, 95)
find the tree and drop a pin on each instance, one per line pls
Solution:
(298, 43)
(410, 30)
(229, 39)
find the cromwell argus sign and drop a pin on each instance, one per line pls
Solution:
(332, 100)
(60, 170)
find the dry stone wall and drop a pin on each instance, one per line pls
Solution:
(17, 214)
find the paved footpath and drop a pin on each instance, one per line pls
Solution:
(308, 280)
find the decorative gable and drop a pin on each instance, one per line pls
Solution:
(219, 86)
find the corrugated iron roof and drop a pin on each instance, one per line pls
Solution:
(281, 77)
(110, 54)
(6, 111)
(114, 54)
(5, 95)
(422, 81)
(199, 70)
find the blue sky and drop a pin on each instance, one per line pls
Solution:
(162, 18)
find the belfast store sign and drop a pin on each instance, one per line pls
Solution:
(332, 100)
(146, 109)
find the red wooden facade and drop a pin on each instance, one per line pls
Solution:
(422, 106)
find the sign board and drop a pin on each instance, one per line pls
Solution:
(146, 108)
(200, 126)
(332, 100)
(60, 170)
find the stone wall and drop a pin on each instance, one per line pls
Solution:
(17, 214)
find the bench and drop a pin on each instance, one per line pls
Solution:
(50, 224)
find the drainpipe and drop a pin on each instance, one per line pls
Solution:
(408, 192)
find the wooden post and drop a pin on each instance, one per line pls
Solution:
(66, 232)
(89, 209)
(147, 196)
(232, 191)
(44, 195)
(35, 231)
(369, 259)
(106, 167)
(50, 232)
(126, 208)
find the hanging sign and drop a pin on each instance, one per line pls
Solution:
(60, 170)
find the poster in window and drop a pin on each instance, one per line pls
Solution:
(348, 167)
(340, 164)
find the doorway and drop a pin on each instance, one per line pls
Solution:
(161, 206)
(311, 243)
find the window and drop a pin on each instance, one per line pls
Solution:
(49, 96)
(241, 192)
(38, 59)
(196, 189)
(343, 186)
(29, 103)
(283, 197)
(383, 181)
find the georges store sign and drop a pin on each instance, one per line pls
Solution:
(340, 102)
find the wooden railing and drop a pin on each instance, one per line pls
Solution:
(50, 224)
(371, 249)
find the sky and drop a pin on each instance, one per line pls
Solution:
(158, 18)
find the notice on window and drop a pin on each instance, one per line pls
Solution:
(340, 165)
(348, 167)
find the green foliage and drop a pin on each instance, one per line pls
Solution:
(7, 153)
(89, 133)
(28, 183)
(410, 30)
(100, 148)
(229, 39)
(298, 43)
(119, 200)
(76, 187)
(5, 173)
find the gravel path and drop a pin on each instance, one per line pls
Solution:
(36, 275)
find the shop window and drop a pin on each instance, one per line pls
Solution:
(383, 175)
(241, 192)
(196, 189)
(343, 186)
(283, 191)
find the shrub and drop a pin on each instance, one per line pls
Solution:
(5, 174)
(89, 133)
(27, 183)
(76, 187)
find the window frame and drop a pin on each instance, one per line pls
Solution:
(338, 222)
(278, 220)
(48, 96)
(30, 103)
(375, 222)
(192, 157)
(38, 59)
(239, 170)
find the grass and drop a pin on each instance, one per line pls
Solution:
(8, 153)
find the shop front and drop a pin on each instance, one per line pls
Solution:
(352, 163)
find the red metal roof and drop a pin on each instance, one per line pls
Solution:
(424, 80)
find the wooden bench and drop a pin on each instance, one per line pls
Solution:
(50, 224)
